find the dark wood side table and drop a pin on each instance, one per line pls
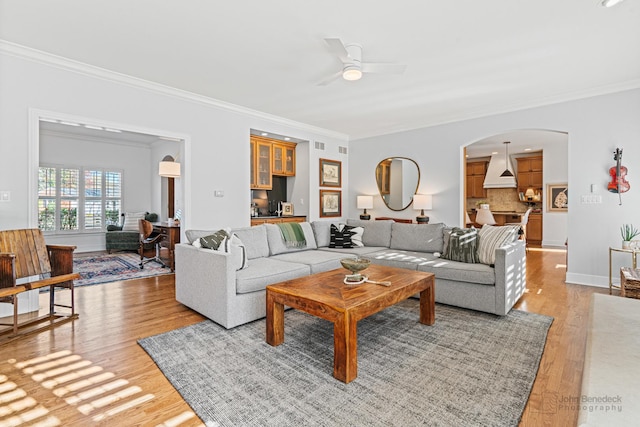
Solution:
(171, 235)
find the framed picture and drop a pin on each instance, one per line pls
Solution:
(557, 197)
(287, 209)
(330, 173)
(330, 203)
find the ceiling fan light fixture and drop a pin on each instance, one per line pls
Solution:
(352, 73)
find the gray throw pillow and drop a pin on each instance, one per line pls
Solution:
(463, 245)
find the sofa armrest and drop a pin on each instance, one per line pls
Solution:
(205, 280)
(511, 275)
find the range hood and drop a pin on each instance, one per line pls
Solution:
(497, 165)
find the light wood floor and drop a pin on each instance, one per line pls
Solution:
(91, 371)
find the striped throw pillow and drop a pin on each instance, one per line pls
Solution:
(493, 237)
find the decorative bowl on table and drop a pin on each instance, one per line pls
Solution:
(355, 266)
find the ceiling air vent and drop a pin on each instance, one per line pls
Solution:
(319, 145)
(342, 150)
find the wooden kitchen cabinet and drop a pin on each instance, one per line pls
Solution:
(261, 164)
(284, 158)
(529, 173)
(476, 172)
(534, 229)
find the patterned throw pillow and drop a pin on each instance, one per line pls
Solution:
(463, 245)
(494, 237)
(340, 236)
(356, 238)
(214, 240)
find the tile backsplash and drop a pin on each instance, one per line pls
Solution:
(500, 199)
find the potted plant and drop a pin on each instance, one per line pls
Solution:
(628, 232)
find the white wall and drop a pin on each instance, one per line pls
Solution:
(595, 127)
(216, 153)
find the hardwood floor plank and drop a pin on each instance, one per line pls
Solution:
(97, 365)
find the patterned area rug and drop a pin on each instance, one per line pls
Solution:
(113, 267)
(469, 369)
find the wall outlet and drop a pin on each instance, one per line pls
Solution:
(218, 193)
(5, 196)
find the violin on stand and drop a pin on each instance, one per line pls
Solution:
(618, 184)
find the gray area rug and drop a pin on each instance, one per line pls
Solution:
(469, 369)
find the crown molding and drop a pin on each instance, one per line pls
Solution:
(24, 52)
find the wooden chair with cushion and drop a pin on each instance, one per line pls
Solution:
(149, 244)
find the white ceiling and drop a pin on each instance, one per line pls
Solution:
(465, 58)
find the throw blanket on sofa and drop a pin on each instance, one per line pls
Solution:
(292, 234)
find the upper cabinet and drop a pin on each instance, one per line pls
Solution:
(260, 164)
(284, 158)
(476, 172)
(529, 173)
(270, 157)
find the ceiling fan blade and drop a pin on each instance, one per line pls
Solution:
(330, 79)
(337, 47)
(384, 68)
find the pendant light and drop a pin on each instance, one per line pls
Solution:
(506, 172)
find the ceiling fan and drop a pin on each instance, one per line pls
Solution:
(353, 67)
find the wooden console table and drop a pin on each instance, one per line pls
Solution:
(171, 235)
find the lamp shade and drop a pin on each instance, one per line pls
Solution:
(467, 220)
(484, 216)
(422, 201)
(169, 169)
(529, 193)
(365, 202)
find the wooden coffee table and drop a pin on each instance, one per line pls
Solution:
(326, 296)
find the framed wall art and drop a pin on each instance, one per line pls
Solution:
(330, 203)
(557, 197)
(330, 173)
(287, 209)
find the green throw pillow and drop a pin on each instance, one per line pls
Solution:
(214, 240)
(463, 245)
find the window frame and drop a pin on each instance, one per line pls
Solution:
(106, 197)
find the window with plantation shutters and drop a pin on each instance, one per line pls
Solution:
(77, 199)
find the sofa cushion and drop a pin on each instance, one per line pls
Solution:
(493, 237)
(267, 271)
(399, 258)
(321, 232)
(363, 251)
(417, 237)
(462, 245)
(255, 240)
(460, 271)
(277, 244)
(376, 233)
(318, 261)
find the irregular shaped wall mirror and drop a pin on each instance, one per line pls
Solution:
(398, 179)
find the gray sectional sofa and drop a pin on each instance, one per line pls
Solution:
(211, 283)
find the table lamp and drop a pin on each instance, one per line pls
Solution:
(422, 202)
(365, 202)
